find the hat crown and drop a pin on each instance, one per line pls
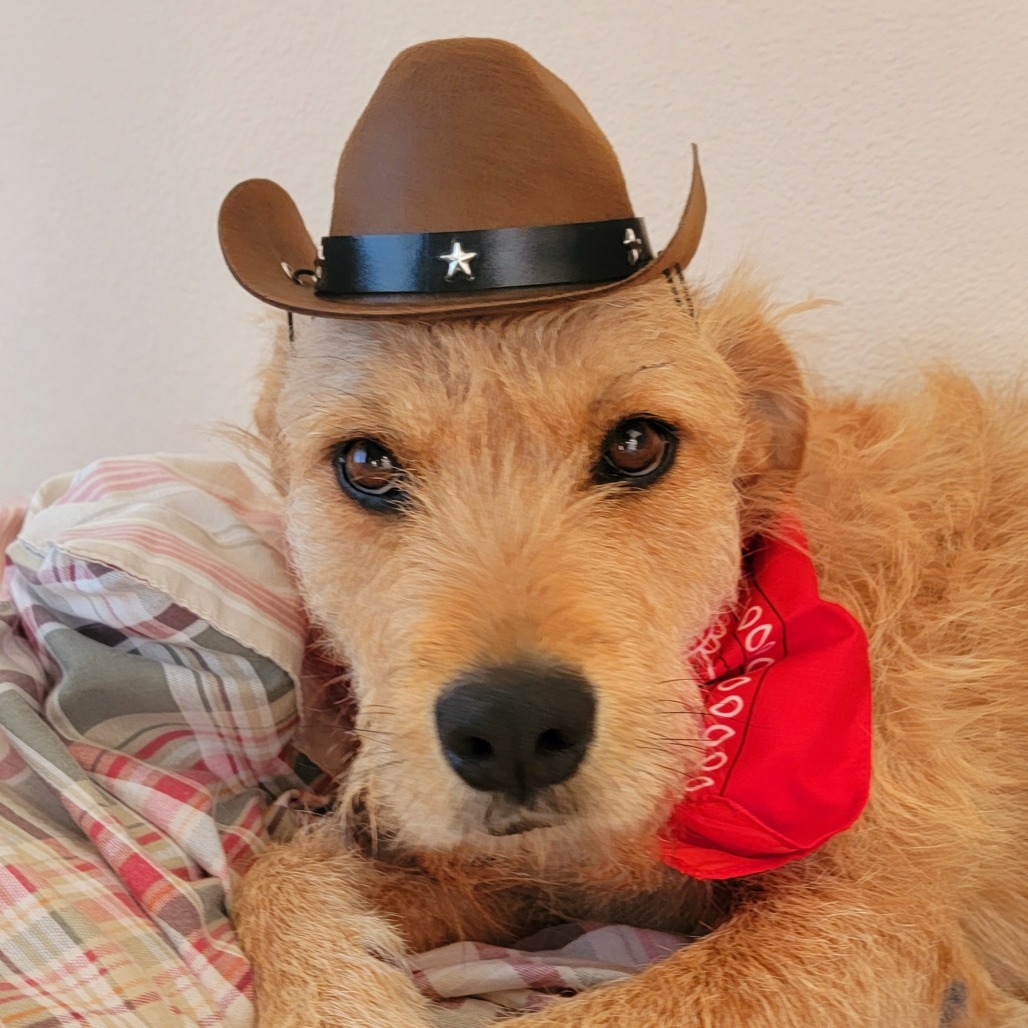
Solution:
(468, 134)
(474, 183)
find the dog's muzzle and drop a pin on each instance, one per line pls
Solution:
(515, 729)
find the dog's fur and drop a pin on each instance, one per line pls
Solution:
(917, 512)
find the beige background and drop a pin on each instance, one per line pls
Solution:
(875, 153)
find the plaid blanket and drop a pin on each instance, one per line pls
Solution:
(151, 648)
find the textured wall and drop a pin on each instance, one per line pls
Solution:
(870, 152)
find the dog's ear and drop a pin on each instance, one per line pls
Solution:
(774, 397)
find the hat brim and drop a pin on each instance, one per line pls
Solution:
(261, 230)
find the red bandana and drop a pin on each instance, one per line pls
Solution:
(787, 688)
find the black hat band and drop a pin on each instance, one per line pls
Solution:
(500, 258)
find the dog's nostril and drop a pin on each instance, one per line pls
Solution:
(479, 748)
(468, 747)
(552, 740)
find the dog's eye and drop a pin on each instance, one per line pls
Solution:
(370, 474)
(636, 451)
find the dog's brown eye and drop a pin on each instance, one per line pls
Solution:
(636, 451)
(369, 474)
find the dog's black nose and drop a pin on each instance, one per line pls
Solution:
(516, 728)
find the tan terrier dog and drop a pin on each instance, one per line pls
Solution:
(511, 525)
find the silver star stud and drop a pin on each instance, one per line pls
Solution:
(458, 257)
(634, 246)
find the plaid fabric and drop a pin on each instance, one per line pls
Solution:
(557, 961)
(141, 741)
(151, 642)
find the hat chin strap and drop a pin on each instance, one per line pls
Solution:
(500, 258)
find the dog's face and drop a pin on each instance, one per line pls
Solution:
(511, 529)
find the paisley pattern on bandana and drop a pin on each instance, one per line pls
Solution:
(786, 682)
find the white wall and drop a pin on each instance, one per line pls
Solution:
(873, 152)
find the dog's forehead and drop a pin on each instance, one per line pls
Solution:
(578, 355)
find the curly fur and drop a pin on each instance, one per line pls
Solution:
(917, 512)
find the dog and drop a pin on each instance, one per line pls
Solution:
(915, 510)
(510, 523)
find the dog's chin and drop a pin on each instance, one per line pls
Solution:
(516, 826)
(503, 817)
(447, 817)
(521, 834)
(493, 826)
(507, 832)
(538, 832)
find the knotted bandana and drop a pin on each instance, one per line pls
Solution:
(786, 684)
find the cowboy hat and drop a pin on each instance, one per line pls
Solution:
(474, 182)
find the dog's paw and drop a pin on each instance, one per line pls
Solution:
(363, 982)
(366, 995)
(604, 1006)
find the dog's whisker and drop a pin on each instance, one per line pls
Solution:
(680, 744)
(370, 770)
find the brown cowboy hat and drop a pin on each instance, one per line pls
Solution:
(475, 181)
